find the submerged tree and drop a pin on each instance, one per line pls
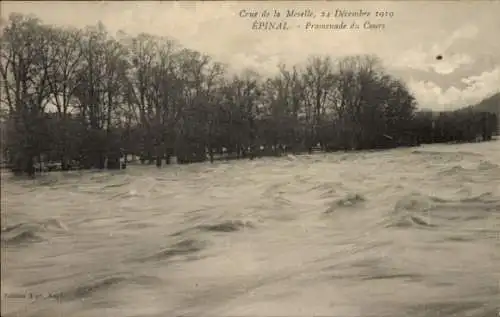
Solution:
(25, 63)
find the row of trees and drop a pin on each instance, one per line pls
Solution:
(82, 95)
(464, 125)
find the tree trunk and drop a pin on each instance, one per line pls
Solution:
(211, 153)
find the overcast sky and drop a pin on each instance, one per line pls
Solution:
(464, 33)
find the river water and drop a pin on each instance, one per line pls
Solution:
(406, 232)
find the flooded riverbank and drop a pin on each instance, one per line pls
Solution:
(405, 232)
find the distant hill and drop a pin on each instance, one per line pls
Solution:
(490, 104)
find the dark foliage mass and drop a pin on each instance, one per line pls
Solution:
(84, 98)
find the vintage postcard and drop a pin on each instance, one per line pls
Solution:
(250, 158)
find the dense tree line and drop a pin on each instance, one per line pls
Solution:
(464, 125)
(85, 97)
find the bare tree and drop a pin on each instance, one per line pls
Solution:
(318, 80)
(63, 81)
(25, 64)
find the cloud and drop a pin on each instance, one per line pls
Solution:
(424, 57)
(466, 32)
(419, 60)
(478, 87)
(451, 63)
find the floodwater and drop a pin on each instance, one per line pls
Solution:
(406, 232)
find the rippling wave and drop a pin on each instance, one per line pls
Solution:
(405, 232)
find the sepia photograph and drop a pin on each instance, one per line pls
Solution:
(250, 158)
